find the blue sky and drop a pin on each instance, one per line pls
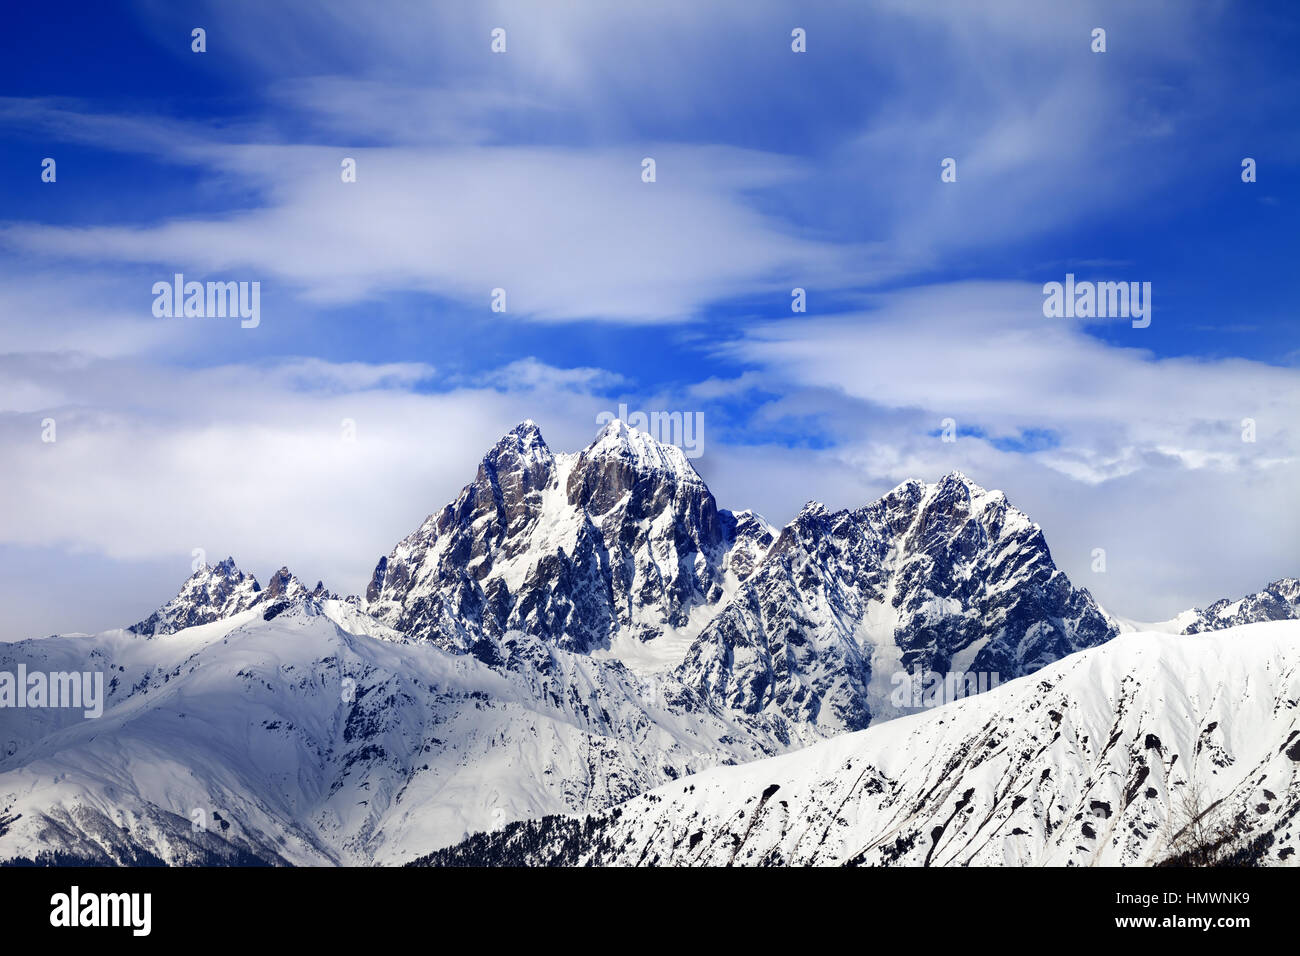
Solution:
(522, 170)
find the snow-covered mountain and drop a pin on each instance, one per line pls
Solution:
(932, 577)
(1280, 601)
(571, 631)
(212, 593)
(320, 736)
(621, 550)
(1100, 758)
(622, 542)
(217, 592)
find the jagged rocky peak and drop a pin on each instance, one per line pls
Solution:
(375, 588)
(571, 548)
(627, 470)
(641, 451)
(216, 592)
(624, 539)
(930, 513)
(954, 513)
(953, 494)
(284, 585)
(749, 539)
(506, 493)
(942, 576)
(285, 588)
(521, 462)
(491, 514)
(1279, 601)
(211, 593)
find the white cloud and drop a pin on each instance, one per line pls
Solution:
(567, 233)
(984, 355)
(250, 461)
(529, 374)
(1150, 463)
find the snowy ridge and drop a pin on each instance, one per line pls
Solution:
(217, 592)
(1280, 601)
(320, 736)
(1097, 759)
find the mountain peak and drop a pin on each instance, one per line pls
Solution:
(912, 487)
(522, 445)
(797, 639)
(227, 567)
(958, 478)
(283, 584)
(527, 429)
(956, 486)
(917, 491)
(209, 594)
(620, 441)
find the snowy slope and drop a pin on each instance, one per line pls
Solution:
(1083, 763)
(249, 720)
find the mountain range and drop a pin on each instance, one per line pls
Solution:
(572, 631)
(1107, 757)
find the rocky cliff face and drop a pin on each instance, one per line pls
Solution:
(623, 538)
(932, 577)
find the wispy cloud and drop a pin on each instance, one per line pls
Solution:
(984, 355)
(567, 234)
(523, 172)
